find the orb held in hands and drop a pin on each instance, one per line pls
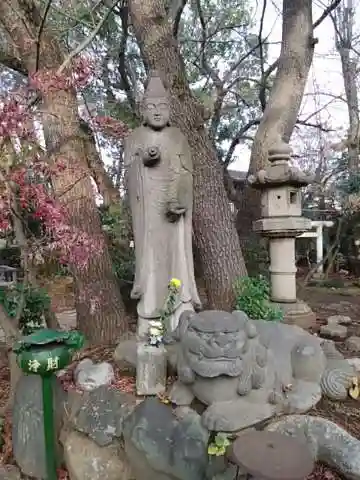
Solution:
(43, 353)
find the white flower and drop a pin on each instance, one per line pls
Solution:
(154, 331)
(155, 323)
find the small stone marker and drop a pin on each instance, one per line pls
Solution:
(150, 369)
(335, 327)
(271, 456)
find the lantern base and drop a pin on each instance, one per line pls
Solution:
(298, 313)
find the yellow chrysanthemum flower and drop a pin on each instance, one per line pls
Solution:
(175, 282)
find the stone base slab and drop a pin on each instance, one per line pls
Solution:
(298, 313)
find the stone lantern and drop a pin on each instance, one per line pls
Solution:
(281, 222)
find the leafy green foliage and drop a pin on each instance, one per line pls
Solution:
(35, 303)
(253, 298)
(217, 42)
(219, 444)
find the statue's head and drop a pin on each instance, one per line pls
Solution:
(156, 105)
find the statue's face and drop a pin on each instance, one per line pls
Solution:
(157, 113)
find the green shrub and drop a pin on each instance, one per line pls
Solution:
(36, 303)
(253, 298)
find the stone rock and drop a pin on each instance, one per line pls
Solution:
(355, 363)
(333, 330)
(89, 375)
(339, 320)
(150, 369)
(100, 414)
(9, 472)
(328, 442)
(162, 446)
(27, 426)
(125, 354)
(85, 460)
(353, 344)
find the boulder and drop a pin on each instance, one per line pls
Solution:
(100, 414)
(163, 446)
(85, 460)
(89, 375)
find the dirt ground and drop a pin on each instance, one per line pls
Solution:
(323, 301)
(326, 302)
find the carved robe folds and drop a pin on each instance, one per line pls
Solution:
(160, 183)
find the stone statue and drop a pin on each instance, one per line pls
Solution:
(159, 175)
(240, 375)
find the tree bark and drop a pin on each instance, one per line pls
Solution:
(283, 105)
(109, 193)
(214, 232)
(100, 310)
(344, 23)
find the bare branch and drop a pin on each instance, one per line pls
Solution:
(262, 97)
(236, 140)
(87, 40)
(204, 64)
(40, 32)
(326, 12)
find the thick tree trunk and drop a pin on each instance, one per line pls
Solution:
(101, 313)
(344, 20)
(283, 105)
(109, 193)
(214, 231)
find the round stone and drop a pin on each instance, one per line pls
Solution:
(333, 330)
(271, 456)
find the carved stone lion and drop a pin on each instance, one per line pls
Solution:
(223, 362)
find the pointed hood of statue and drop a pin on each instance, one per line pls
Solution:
(155, 87)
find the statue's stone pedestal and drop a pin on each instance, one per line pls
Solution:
(297, 313)
(150, 369)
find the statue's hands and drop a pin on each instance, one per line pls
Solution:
(174, 211)
(151, 156)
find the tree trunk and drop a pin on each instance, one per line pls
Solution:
(109, 193)
(215, 234)
(283, 105)
(100, 310)
(344, 34)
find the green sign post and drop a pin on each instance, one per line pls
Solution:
(43, 353)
